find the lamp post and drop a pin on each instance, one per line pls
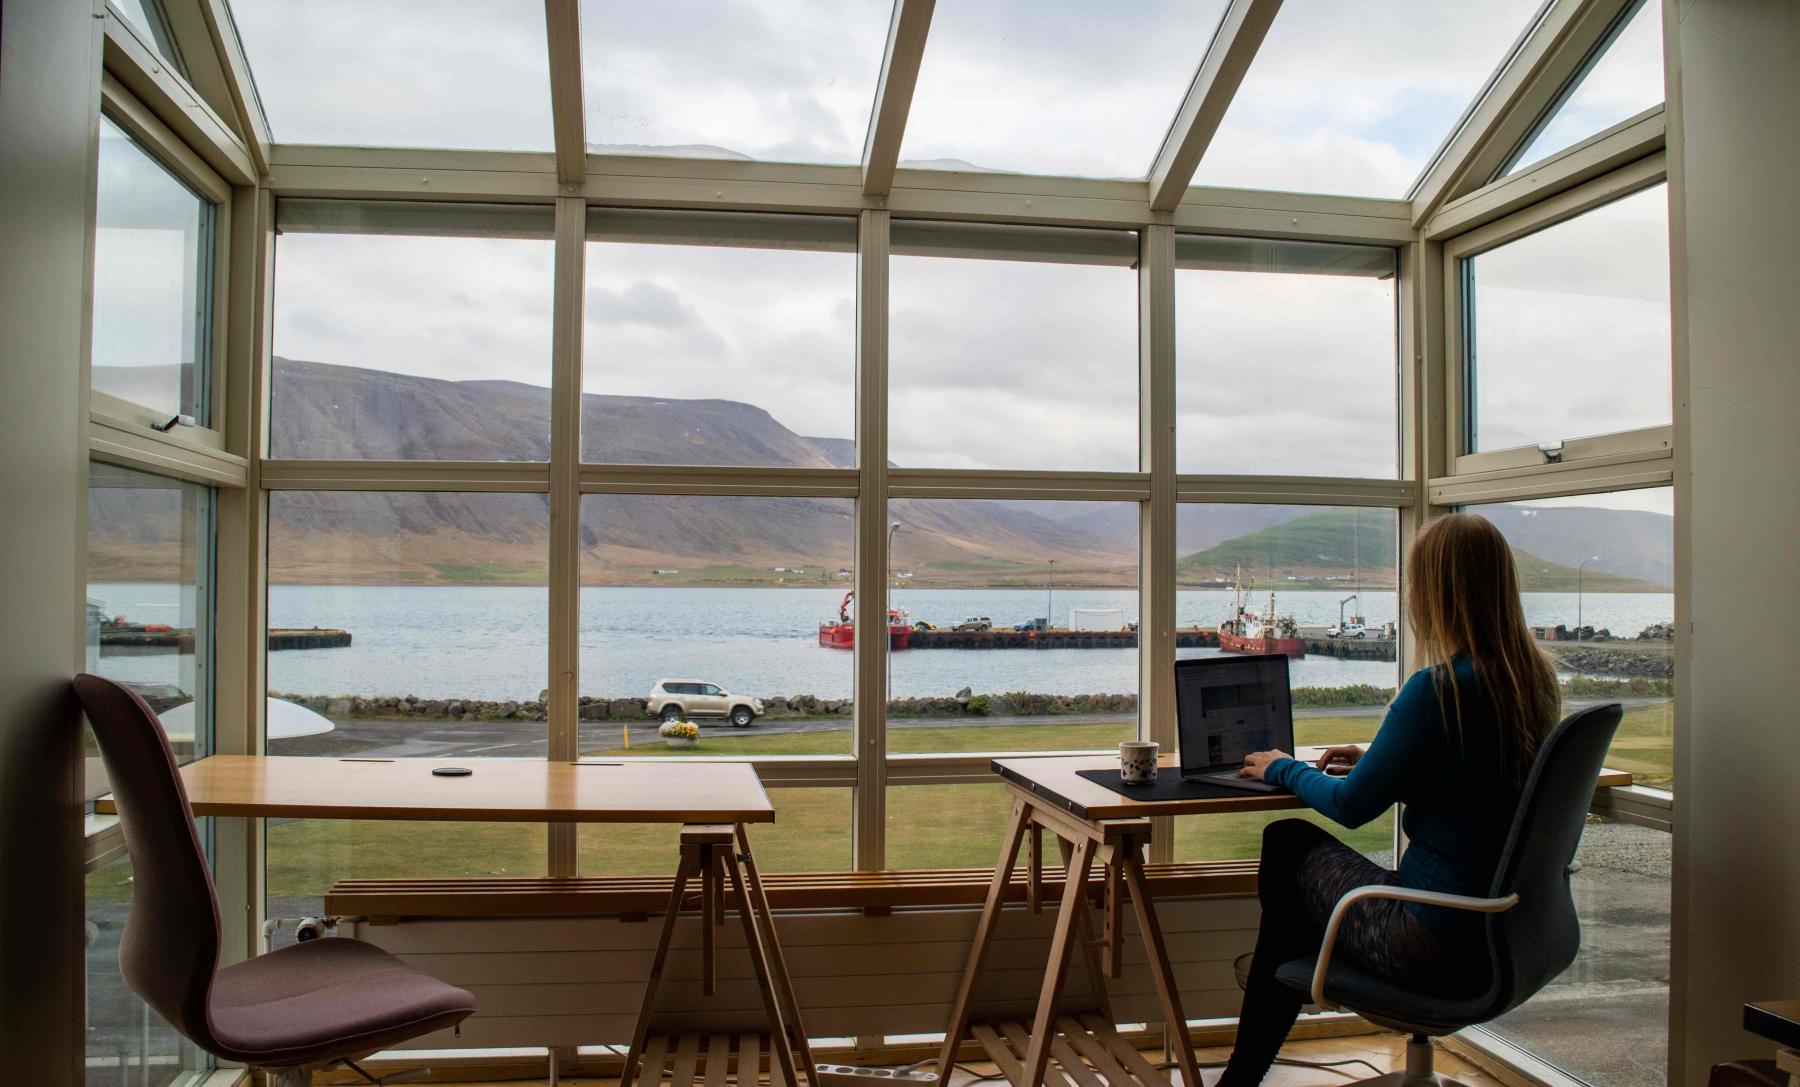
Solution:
(1580, 584)
(1050, 598)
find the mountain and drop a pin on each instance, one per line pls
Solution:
(326, 411)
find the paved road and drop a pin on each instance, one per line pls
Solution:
(526, 739)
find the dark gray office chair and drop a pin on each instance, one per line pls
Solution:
(1533, 933)
(309, 1006)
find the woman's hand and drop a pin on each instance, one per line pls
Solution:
(1257, 763)
(1342, 757)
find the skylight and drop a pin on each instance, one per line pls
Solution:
(401, 73)
(1069, 87)
(1355, 99)
(1625, 80)
(781, 80)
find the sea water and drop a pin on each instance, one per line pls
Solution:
(491, 642)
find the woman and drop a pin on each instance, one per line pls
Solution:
(1455, 749)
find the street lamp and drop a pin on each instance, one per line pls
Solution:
(1050, 598)
(1580, 584)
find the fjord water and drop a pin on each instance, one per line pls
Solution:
(490, 642)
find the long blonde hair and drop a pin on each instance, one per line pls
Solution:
(1462, 598)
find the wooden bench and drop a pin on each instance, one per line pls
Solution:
(389, 900)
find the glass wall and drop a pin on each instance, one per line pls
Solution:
(1622, 79)
(1596, 582)
(150, 601)
(1012, 347)
(811, 833)
(1567, 332)
(127, 1044)
(395, 340)
(153, 269)
(727, 613)
(1287, 358)
(719, 340)
(408, 623)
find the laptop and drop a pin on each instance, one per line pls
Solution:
(1225, 708)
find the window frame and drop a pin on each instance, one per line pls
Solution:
(1648, 444)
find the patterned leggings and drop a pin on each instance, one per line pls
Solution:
(1303, 872)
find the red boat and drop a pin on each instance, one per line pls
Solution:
(1248, 632)
(842, 633)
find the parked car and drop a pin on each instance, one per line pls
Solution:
(975, 622)
(1039, 625)
(1347, 630)
(678, 699)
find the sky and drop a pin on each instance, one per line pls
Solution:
(994, 364)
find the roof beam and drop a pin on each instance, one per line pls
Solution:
(907, 31)
(1550, 57)
(562, 24)
(239, 84)
(1233, 47)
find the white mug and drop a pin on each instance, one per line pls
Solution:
(1137, 762)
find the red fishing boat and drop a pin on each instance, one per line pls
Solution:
(842, 633)
(1249, 632)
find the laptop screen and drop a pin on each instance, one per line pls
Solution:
(1227, 707)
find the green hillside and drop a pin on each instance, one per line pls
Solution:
(1356, 545)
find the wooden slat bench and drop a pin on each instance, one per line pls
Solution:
(390, 900)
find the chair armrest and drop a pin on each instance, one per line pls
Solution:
(1402, 894)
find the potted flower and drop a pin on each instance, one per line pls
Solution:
(680, 734)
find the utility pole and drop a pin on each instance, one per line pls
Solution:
(1580, 584)
(1050, 598)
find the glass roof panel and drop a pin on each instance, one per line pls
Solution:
(402, 73)
(1624, 81)
(780, 80)
(147, 18)
(1354, 97)
(1054, 86)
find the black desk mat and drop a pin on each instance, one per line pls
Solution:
(1167, 786)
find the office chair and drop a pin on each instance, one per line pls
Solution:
(1532, 930)
(312, 1005)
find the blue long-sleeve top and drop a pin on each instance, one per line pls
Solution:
(1459, 799)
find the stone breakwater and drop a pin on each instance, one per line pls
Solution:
(964, 703)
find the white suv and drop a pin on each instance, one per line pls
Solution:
(675, 699)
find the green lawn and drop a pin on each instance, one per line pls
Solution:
(928, 826)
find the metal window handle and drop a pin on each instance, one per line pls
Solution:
(1574, 867)
(179, 420)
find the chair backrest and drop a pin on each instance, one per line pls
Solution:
(170, 947)
(1536, 940)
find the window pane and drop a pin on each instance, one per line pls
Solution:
(1013, 348)
(1356, 98)
(411, 623)
(733, 342)
(1286, 358)
(685, 593)
(153, 241)
(1569, 328)
(150, 601)
(402, 73)
(396, 347)
(1596, 579)
(1023, 625)
(1238, 836)
(1605, 1019)
(761, 79)
(127, 1043)
(307, 856)
(1624, 81)
(1317, 566)
(147, 18)
(1010, 86)
(949, 826)
(811, 833)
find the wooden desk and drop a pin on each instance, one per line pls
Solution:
(713, 800)
(1095, 827)
(499, 790)
(1778, 1021)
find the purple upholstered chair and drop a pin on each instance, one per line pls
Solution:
(308, 1006)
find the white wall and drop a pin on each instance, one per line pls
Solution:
(49, 91)
(1735, 191)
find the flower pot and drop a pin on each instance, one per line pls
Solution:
(682, 741)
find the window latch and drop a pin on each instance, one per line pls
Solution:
(179, 420)
(1552, 452)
